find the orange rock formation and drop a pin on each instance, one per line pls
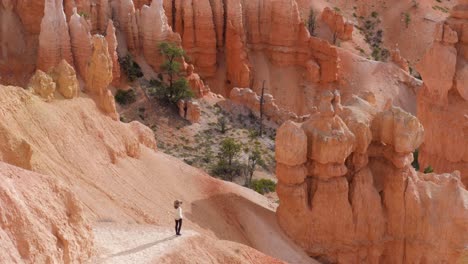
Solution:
(154, 29)
(112, 45)
(195, 83)
(42, 85)
(443, 101)
(54, 39)
(272, 27)
(245, 97)
(337, 24)
(348, 193)
(80, 42)
(65, 79)
(189, 110)
(99, 76)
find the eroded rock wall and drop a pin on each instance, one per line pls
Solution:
(248, 99)
(443, 101)
(337, 24)
(348, 193)
(236, 27)
(54, 38)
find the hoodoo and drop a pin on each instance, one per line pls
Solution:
(290, 131)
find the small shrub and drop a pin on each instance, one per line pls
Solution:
(337, 9)
(311, 22)
(83, 14)
(415, 163)
(125, 97)
(161, 145)
(428, 169)
(208, 156)
(374, 14)
(123, 119)
(253, 134)
(131, 69)
(263, 186)
(415, 73)
(379, 54)
(440, 8)
(255, 158)
(188, 161)
(407, 19)
(227, 166)
(225, 171)
(222, 124)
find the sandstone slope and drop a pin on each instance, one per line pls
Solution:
(149, 244)
(41, 220)
(114, 170)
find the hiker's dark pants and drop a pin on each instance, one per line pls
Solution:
(178, 226)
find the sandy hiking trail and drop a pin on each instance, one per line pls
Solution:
(142, 244)
(117, 243)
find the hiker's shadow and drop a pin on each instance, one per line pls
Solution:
(141, 247)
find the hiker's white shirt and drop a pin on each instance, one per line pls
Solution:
(178, 213)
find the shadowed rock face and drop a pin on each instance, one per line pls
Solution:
(443, 101)
(348, 193)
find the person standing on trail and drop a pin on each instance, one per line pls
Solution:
(178, 216)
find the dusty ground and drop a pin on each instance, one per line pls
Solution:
(148, 244)
(198, 144)
(134, 243)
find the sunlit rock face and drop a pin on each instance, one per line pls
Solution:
(443, 102)
(348, 193)
(219, 32)
(99, 76)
